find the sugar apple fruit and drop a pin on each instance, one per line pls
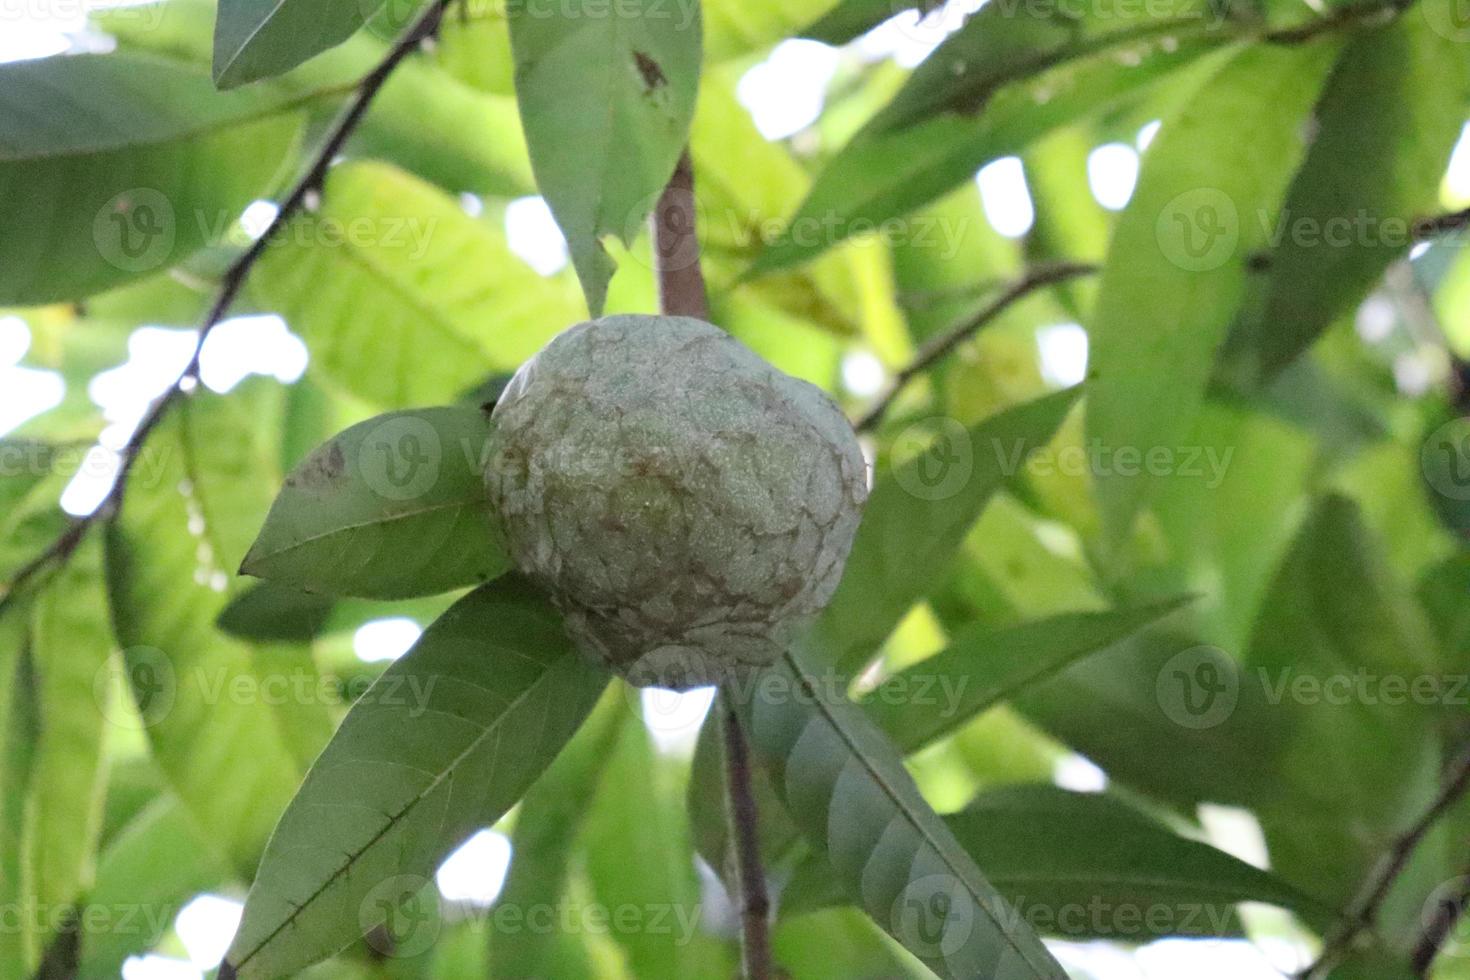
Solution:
(687, 506)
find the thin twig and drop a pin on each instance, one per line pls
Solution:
(755, 904)
(62, 548)
(941, 344)
(1362, 915)
(1447, 912)
(1441, 224)
(681, 289)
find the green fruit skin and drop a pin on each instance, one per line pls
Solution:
(688, 506)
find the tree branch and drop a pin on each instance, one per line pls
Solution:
(1362, 915)
(942, 344)
(1447, 912)
(61, 549)
(681, 289)
(1441, 224)
(750, 874)
(681, 292)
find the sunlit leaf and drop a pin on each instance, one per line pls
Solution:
(1389, 116)
(845, 785)
(984, 666)
(606, 95)
(232, 754)
(392, 508)
(405, 299)
(136, 163)
(1086, 865)
(255, 39)
(543, 848)
(71, 645)
(444, 743)
(918, 514)
(1176, 270)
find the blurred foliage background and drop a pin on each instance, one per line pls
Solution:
(1270, 312)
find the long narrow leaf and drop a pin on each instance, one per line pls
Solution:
(444, 743)
(845, 785)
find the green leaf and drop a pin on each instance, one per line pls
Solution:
(255, 39)
(1086, 865)
(734, 28)
(918, 514)
(849, 20)
(984, 666)
(706, 799)
(19, 946)
(157, 863)
(231, 750)
(423, 119)
(392, 508)
(845, 785)
(403, 298)
(71, 646)
(606, 96)
(1176, 270)
(638, 856)
(840, 944)
(274, 613)
(995, 47)
(542, 850)
(1389, 117)
(883, 175)
(1442, 591)
(135, 164)
(1336, 621)
(444, 743)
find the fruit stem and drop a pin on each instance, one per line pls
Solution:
(676, 246)
(755, 904)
